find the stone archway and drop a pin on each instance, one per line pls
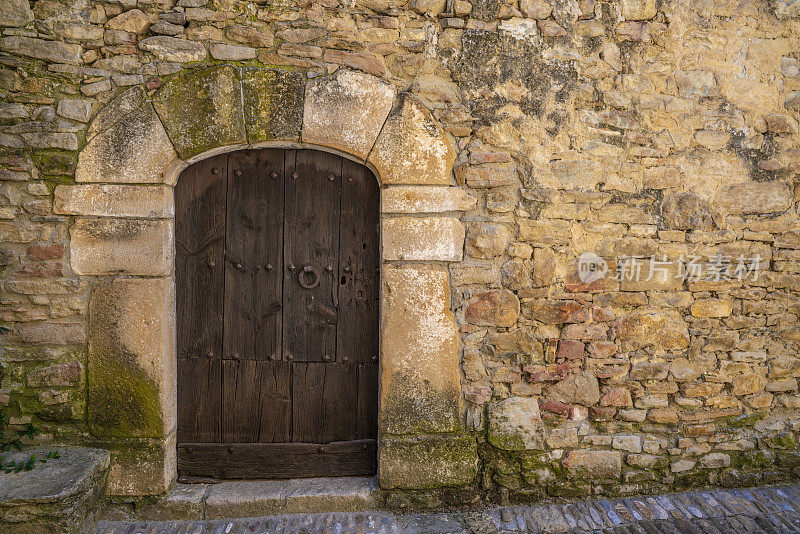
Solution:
(122, 236)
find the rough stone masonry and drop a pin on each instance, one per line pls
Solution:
(660, 135)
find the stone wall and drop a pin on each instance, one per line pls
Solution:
(664, 130)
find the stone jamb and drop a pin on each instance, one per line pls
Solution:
(420, 403)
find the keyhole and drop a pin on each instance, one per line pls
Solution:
(344, 280)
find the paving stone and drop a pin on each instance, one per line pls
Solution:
(640, 515)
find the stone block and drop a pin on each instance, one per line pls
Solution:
(631, 444)
(560, 438)
(369, 63)
(173, 49)
(748, 384)
(711, 308)
(132, 21)
(687, 211)
(422, 238)
(121, 246)
(346, 111)
(122, 104)
(489, 175)
(184, 502)
(273, 104)
(663, 329)
(15, 13)
(493, 308)
(133, 150)
(487, 240)
(580, 388)
(50, 51)
(754, 197)
(650, 275)
(250, 498)
(202, 110)
(104, 200)
(56, 496)
(340, 494)
(226, 52)
(412, 148)
(638, 9)
(426, 199)
(547, 232)
(51, 333)
(427, 462)
(594, 465)
(131, 366)
(515, 424)
(466, 274)
(142, 467)
(420, 375)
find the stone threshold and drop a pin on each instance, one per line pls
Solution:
(771, 510)
(253, 498)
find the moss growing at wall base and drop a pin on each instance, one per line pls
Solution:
(124, 400)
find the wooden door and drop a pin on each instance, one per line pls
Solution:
(277, 274)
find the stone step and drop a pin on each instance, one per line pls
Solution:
(706, 511)
(254, 498)
(57, 496)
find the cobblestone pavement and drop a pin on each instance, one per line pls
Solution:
(764, 510)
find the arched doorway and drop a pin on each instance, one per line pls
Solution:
(277, 292)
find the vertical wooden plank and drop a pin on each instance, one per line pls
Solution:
(199, 401)
(276, 405)
(256, 401)
(340, 402)
(254, 248)
(199, 257)
(324, 402)
(307, 413)
(311, 240)
(359, 266)
(253, 287)
(200, 204)
(367, 416)
(241, 403)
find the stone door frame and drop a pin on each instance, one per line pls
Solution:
(122, 241)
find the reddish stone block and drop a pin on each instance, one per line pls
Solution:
(583, 331)
(693, 431)
(554, 407)
(618, 397)
(601, 315)
(546, 373)
(42, 270)
(573, 284)
(571, 350)
(602, 349)
(40, 253)
(557, 312)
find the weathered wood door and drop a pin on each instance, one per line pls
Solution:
(277, 273)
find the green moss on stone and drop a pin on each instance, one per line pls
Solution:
(124, 400)
(427, 462)
(751, 459)
(273, 103)
(202, 109)
(411, 406)
(783, 441)
(742, 421)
